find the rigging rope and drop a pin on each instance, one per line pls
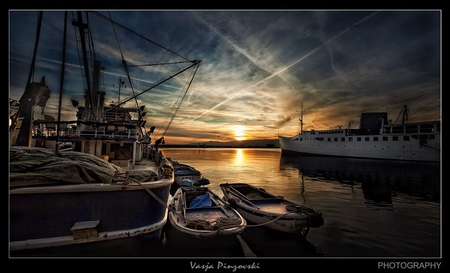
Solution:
(134, 32)
(127, 72)
(179, 104)
(38, 32)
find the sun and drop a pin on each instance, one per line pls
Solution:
(239, 132)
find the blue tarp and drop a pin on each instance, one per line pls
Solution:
(201, 201)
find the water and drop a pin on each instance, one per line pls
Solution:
(371, 208)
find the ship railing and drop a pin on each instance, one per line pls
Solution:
(111, 131)
(419, 128)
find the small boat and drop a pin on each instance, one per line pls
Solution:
(263, 208)
(185, 171)
(197, 212)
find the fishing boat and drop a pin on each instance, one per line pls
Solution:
(196, 212)
(260, 207)
(77, 204)
(375, 138)
(105, 195)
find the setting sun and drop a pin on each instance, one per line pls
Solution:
(239, 132)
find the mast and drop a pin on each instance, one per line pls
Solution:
(92, 107)
(63, 66)
(405, 114)
(301, 119)
(36, 93)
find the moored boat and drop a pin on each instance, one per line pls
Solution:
(196, 212)
(263, 208)
(375, 138)
(76, 204)
(185, 171)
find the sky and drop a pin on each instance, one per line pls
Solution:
(259, 70)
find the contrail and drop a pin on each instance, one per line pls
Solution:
(289, 66)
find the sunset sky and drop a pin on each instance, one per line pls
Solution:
(258, 67)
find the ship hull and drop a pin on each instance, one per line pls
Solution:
(79, 220)
(410, 150)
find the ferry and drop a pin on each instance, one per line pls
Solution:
(376, 138)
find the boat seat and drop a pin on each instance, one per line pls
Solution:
(266, 201)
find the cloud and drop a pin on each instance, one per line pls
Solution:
(257, 67)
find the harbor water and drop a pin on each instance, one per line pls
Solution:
(371, 208)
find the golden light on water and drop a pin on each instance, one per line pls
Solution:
(239, 157)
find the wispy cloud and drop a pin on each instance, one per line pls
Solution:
(257, 67)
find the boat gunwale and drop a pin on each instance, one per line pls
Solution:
(94, 187)
(255, 210)
(230, 231)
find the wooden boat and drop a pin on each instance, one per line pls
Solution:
(263, 208)
(197, 212)
(108, 196)
(185, 171)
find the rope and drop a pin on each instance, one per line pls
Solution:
(127, 72)
(268, 222)
(182, 99)
(134, 32)
(150, 192)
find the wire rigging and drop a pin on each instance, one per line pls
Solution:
(181, 96)
(127, 72)
(139, 35)
(181, 101)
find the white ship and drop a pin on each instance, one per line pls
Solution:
(376, 138)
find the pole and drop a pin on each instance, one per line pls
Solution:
(63, 67)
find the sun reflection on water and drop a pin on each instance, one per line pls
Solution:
(239, 159)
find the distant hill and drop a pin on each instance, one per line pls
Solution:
(261, 143)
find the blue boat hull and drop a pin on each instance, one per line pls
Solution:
(87, 220)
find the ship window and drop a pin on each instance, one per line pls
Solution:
(335, 139)
(395, 138)
(426, 128)
(329, 139)
(350, 139)
(385, 138)
(342, 138)
(375, 138)
(301, 139)
(397, 129)
(367, 138)
(411, 129)
(406, 138)
(358, 139)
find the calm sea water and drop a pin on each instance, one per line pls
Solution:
(371, 208)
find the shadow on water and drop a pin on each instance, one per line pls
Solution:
(265, 242)
(380, 180)
(255, 242)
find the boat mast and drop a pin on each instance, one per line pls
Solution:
(92, 100)
(301, 119)
(63, 66)
(404, 112)
(36, 93)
